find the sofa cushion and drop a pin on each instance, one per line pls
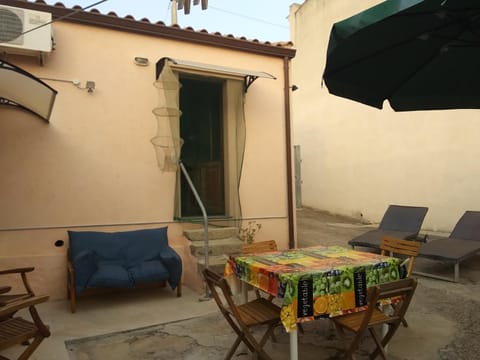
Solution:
(110, 275)
(106, 245)
(147, 271)
(143, 245)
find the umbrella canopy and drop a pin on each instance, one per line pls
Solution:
(418, 54)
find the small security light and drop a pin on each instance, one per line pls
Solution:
(90, 86)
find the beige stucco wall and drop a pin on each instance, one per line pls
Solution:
(356, 159)
(94, 165)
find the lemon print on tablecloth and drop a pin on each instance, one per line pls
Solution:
(321, 305)
(334, 302)
(287, 315)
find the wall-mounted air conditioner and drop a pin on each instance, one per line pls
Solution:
(15, 37)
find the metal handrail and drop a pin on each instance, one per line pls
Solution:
(205, 221)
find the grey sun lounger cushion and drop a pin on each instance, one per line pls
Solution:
(449, 249)
(399, 221)
(373, 238)
(463, 242)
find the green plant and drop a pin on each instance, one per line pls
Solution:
(247, 233)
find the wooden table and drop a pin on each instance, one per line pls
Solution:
(314, 282)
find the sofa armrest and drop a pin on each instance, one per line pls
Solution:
(173, 262)
(84, 265)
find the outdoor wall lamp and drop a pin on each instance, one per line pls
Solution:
(141, 61)
(89, 84)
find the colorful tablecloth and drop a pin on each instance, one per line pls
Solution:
(317, 281)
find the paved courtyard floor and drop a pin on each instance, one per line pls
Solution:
(444, 318)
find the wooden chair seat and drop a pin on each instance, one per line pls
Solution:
(354, 322)
(18, 330)
(15, 331)
(258, 312)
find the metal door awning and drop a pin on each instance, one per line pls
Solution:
(249, 76)
(21, 89)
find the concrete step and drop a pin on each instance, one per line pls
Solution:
(222, 242)
(213, 233)
(215, 263)
(216, 247)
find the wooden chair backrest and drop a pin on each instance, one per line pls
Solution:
(404, 288)
(222, 294)
(259, 247)
(391, 246)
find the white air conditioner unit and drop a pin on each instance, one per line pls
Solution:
(21, 31)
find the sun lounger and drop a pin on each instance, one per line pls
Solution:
(463, 242)
(399, 221)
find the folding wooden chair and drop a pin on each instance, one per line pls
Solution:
(16, 330)
(360, 322)
(407, 248)
(243, 318)
(6, 296)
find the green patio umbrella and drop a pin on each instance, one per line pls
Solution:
(417, 54)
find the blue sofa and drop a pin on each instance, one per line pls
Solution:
(126, 259)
